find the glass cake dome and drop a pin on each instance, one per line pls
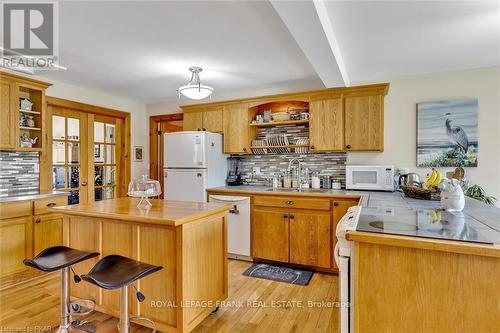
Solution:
(144, 188)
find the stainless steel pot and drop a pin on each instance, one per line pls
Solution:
(410, 179)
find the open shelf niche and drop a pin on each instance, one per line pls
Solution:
(295, 130)
(35, 96)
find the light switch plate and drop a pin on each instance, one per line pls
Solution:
(256, 170)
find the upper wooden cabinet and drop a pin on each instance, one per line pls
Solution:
(341, 119)
(7, 114)
(364, 123)
(326, 128)
(213, 120)
(237, 132)
(192, 121)
(13, 89)
(208, 120)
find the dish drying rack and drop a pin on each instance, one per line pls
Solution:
(279, 144)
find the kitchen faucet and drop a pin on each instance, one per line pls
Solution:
(299, 165)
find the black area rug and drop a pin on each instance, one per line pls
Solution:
(279, 273)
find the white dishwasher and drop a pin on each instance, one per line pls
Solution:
(238, 226)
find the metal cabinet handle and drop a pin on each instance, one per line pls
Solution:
(38, 220)
(348, 146)
(234, 210)
(312, 147)
(286, 215)
(204, 128)
(335, 203)
(292, 216)
(244, 149)
(84, 183)
(51, 204)
(289, 202)
(199, 129)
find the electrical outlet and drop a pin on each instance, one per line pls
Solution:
(36, 168)
(256, 170)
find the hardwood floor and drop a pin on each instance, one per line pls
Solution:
(254, 305)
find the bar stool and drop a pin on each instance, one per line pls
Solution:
(113, 272)
(62, 258)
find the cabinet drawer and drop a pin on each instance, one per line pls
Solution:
(292, 202)
(42, 205)
(15, 209)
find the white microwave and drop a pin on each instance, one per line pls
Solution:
(370, 177)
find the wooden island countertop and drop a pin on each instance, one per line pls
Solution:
(188, 239)
(166, 212)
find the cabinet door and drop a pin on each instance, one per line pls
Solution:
(364, 123)
(310, 238)
(236, 129)
(212, 121)
(192, 121)
(16, 244)
(7, 115)
(47, 231)
(326, 127)
(270, 234)
(340, 208)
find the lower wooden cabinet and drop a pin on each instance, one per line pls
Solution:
(297, 236)
(310, 238)
(270, 231)
(47, 231)
(24, 234)
(16, 244)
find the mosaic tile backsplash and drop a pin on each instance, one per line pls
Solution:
(327, 164)
(17, 173)
(332, 164)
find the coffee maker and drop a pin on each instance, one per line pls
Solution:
(233, 176)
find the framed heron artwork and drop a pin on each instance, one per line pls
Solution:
(447, 134)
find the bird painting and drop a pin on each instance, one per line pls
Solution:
(447, 133)
(456, 135)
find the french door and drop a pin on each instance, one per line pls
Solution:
(85, 155)
(106, 147)
(69, 154)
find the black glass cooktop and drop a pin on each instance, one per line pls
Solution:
(428, 223)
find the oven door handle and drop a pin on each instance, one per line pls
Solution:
(336, 254)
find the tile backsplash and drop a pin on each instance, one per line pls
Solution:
(19, 173)
(327, 164)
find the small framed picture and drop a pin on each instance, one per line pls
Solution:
(138, 154)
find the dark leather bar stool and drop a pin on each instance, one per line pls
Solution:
(62, 258)
(113, 272)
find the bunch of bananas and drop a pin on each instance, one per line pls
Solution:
(434, 178)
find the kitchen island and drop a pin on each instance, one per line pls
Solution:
(188, 239)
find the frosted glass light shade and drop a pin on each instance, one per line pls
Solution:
(196, 92)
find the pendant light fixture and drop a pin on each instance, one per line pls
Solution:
(194, 89)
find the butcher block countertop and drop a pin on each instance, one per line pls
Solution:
(166, 212)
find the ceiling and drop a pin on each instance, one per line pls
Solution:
(142, 50)
(383, 39)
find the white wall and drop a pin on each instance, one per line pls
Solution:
(400, 121)
(137, 110)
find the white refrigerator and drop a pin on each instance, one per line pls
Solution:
(193, 162)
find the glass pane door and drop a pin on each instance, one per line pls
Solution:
(105, 152)
(68, 151)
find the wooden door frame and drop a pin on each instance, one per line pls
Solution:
(153, 139)
(125, 164)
